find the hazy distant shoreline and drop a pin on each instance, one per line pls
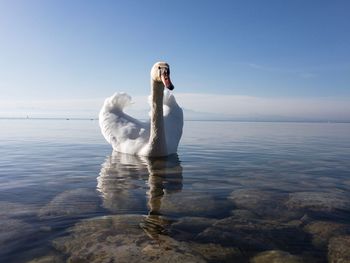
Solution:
(190, 119)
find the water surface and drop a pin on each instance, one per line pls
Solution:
(235, 192)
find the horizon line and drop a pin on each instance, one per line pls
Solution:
(209, 120)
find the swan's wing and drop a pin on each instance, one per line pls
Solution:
(123, 132)
(173, 121)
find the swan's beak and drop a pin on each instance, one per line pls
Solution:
(167, 82)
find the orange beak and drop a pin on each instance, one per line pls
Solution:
(167, 82)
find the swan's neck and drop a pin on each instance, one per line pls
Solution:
(157, 140)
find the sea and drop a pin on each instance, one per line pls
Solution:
(234, 192)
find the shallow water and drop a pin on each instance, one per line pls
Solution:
(236, 192)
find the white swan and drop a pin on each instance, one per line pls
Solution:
(160, 136)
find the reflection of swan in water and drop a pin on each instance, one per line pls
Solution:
(122, 183)
(126, 180)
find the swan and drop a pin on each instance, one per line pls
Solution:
(158, 137)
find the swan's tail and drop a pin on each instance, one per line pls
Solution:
(111, 110)
(117, 102)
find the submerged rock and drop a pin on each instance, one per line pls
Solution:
(252, 198)
(319, 201)
(243, 213)
(217, 253)
(276, 256)
(322, 231)
(254, 234)
(191, 204)
(119, 238)
(103, 239)
(168, 250)
(188, 227)
(263, 203)
(338, 249)
(71, 203)
(10, 209)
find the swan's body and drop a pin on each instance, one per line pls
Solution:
(160, 136)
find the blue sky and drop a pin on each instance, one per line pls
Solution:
(269, 50)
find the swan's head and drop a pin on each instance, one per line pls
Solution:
(161, 73)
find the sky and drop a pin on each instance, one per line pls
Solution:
(229, 59)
